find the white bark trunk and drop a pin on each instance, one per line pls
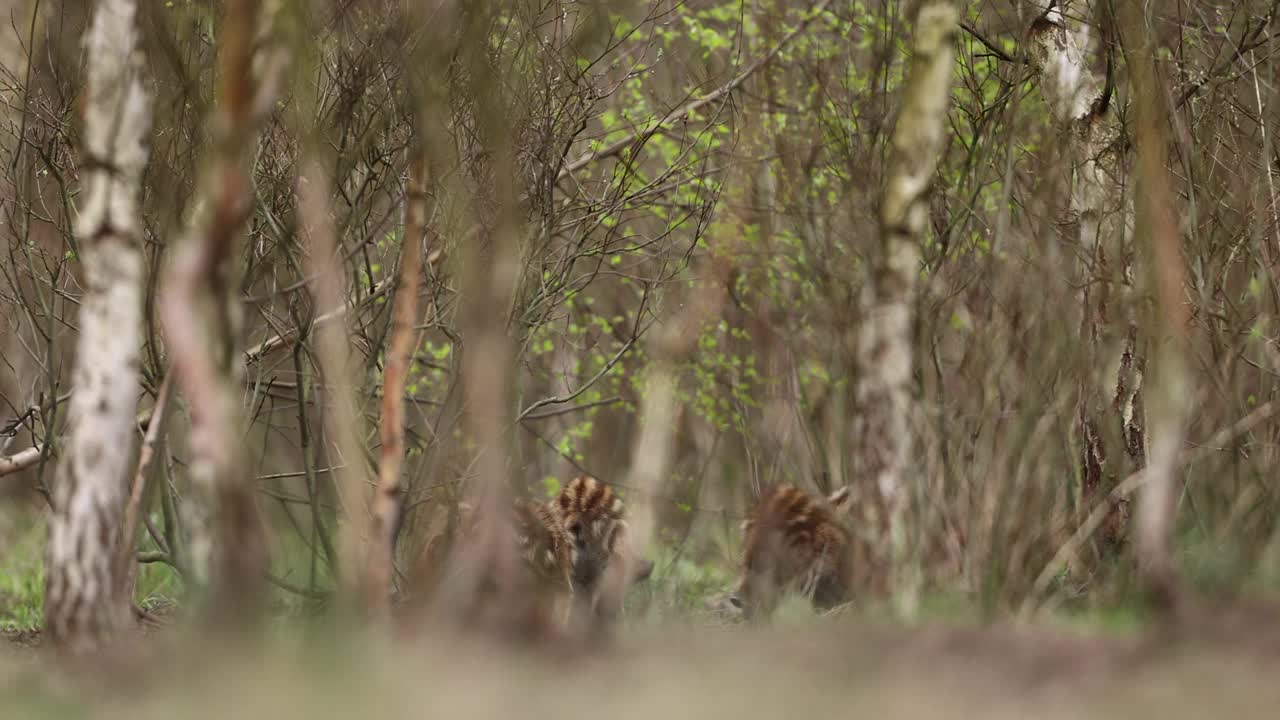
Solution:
(82, 605)
(882, 426)
(1071, 91)
(1078, 100)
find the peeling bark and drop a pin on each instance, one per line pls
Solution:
(84, 605)
(883, 394)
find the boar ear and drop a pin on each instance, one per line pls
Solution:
(840, 499)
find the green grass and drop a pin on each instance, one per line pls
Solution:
(22, 581)
(677, 589)
(158, 585)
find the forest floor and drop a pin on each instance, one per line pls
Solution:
(1223, 663)
(671, 661)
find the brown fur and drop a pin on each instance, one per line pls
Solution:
(591, 513)
(544, 545)
(792, 542)
(573, 546)
(592, 516)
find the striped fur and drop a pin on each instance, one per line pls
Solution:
(591, 513)
(792, 542)
(573, 546)
(605, 566)
(544, 545)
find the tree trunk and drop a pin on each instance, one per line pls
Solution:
(882, 426)
(84, 605)
(488, 277)
(200, 314)
(669, 345)
(341, 414)
(386, 500)
(1079, 101)
(1171, 385)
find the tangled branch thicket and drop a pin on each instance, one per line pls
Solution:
(481, 248)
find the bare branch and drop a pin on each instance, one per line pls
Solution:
(19, 461)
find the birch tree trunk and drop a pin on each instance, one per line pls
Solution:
(882, 425)
(84, 606)
(200, 314)
(1079, 101)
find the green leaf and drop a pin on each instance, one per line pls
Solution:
(552, 485)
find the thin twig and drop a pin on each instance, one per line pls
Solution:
(688, 109)
(561, 399)
(128, 570)
(995, 50)
(380, 288)
(576, 408)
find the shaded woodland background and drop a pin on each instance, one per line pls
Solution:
(614, 187)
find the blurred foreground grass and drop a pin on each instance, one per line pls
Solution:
(673, 660)
(837, 668)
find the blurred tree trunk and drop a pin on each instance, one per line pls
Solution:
(882, 427)
(1171, 386)
(200, 314)
(651, 455)
(1080, 102)
(341, 414)
(491, 589)
(84, 605)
